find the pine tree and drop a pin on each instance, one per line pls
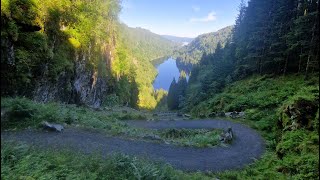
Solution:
(172, 100)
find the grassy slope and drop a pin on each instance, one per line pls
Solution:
(264, 100)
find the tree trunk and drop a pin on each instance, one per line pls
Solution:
(308, 64)
(300, 60)
(286, 65)
(310, 51)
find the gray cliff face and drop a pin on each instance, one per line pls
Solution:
(82, 87)
(88, 87)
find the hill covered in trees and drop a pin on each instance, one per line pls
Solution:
(77, 52)
(263, 42)
(205, 43)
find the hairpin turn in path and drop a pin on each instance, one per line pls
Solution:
(245, 149)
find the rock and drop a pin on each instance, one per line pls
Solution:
(152, 137)
(235, 114)
(222, 136)
(187, 115)
(241, 114)
(83, 86)
(179, 114)
(212, 114)
(220, 114)
(300, 114)
(226, 137)
(52, 126)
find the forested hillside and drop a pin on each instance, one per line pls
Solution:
(76, 52)
(205, 43)
(269, 69)
(263, 42)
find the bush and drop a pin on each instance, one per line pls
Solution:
(19, 113)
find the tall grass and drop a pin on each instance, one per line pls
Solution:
(20, 161)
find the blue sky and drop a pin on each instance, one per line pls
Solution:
(185, 18)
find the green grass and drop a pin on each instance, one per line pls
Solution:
(20, 161)
(192, 137)
(22, 113)
(291, 153)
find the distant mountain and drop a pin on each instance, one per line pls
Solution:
(205, 43)
(181, 40)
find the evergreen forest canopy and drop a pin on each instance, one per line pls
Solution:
(49, 39)
(203, 44)
(269, 37)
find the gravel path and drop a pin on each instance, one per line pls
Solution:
(247, 146)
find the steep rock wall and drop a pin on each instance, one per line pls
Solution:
(83, 87)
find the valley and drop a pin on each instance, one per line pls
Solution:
(221, 100)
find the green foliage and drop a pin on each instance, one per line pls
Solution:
(111, 100)
(292, 153)
(172, 99)
(161, 96)
(299, 153)
(192, 137)
(277, 37)
(26, 162)
(41, 32)
(23, 113)
(177, 92)
(43, 40)
(206, 43)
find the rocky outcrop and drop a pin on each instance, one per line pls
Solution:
(84, 86)
(89, 88)
(235, 114)
(299, 114)
(60, 90)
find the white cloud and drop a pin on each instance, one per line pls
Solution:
(195, 8)
(210, 17)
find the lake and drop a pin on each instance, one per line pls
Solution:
(167, 70)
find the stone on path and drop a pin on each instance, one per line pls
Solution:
(52, 126)
(226, 137)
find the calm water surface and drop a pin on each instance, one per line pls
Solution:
(166, 72)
